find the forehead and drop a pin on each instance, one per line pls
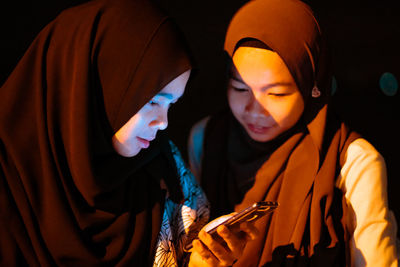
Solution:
(258, 65)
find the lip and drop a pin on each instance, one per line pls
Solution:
(148, 138)
(257, 129)
(144, 143)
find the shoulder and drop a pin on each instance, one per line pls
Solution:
(197, 130)
(196, 136)
(362, 149)
(195, 146)
(361, 155)
(362, 162)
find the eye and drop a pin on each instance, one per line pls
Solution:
(240, 90)
(237, 85)
(278, 94)
(153, 103)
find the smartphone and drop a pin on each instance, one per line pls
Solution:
(251, 213)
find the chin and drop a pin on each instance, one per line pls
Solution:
(126, 152)
(260, 138)
(131, 153)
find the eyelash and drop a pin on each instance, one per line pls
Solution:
(153, 103)
(278, 94)
(242, 90)
(239, 89)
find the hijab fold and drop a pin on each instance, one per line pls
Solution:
(297, 169)
(67, 198)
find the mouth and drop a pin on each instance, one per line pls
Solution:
(257, 129)
(144, 143)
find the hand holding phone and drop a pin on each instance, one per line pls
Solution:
(251, 213)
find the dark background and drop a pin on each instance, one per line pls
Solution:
(363, 36)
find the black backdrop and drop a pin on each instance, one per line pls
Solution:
(364, 38)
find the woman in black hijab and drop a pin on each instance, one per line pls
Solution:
(82, 182)
(278, 141)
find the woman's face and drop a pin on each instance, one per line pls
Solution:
(142, 128)
(262, 94)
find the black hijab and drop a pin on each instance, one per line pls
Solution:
(66, 197)
(299, 168)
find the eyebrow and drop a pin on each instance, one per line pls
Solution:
(166, 95)
(265, 87)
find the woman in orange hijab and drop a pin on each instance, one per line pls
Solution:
(279, 141)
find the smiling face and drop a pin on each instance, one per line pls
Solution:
(262, 94)
(142, 128)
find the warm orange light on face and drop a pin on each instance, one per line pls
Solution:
(262, 93)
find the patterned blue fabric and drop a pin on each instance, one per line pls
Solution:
(181, 222)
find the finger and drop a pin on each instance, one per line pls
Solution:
(234, 240)
(223, 254)
(201, 256)
(250, 229)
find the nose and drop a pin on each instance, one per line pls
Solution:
(161, 121)
(254, 108)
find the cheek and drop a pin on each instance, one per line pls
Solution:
(236, 103)
(287, 113)
(129, 130)
(124, 141)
